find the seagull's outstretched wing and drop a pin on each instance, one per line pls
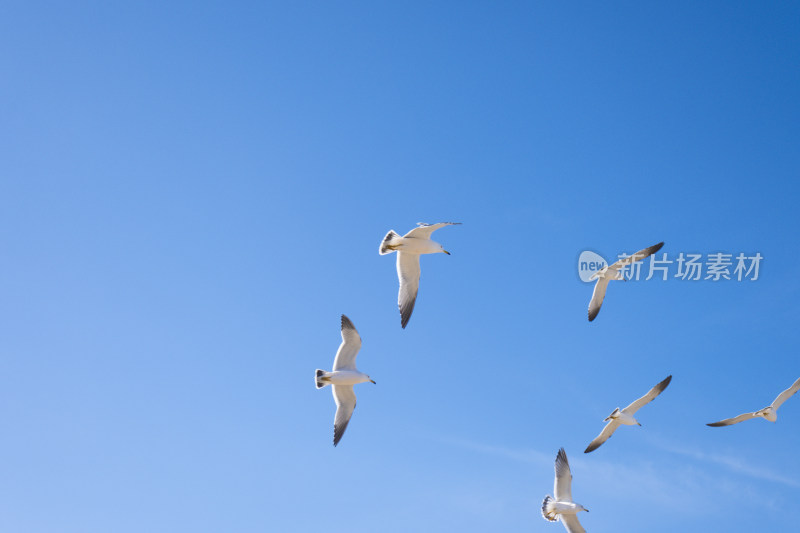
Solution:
(649, 397)
(423, 230)
(345, 405)
(351, 344)
(562, 489)
(638, 256)
(785, 395)
(597, 297)
(734, 420)
(570, 522)
(408, 272)
(604, 435)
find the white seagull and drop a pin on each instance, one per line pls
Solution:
(770, 412)
(409, 247)
(612, 272)
(562, 507)
(343, 377)
(625, 416)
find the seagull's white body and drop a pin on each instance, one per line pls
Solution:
(416, 245)
(567, 508)
(409, 247)
(613, 272)
(344, 376)
(768, 413)
(625, 416)
(562, 507)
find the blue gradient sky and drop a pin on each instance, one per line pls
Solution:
(191, 195)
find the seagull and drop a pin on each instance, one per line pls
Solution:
(562, 506)
(625, 416)
(343, 377)
(610, 272)
(409, 247)
(770, 412)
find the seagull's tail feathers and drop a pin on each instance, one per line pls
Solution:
(386, 244)
(549, 509)
(318, 379)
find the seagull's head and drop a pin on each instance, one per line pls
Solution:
(600, 274)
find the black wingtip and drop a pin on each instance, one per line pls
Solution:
(347, 323)
(562, 455)
(405, 315)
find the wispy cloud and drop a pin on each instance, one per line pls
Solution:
(650, 484)
(525, 456)
(683, 487)
(734, 464)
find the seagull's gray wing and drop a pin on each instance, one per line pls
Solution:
(408, 272)
(782, 397)
(570, 522)
(423, 231)
(649, 397)
(604, 435)
(562, 489)
(345, 400)
(351, 344)
(597, 297)
(734, 420)
(638, 256)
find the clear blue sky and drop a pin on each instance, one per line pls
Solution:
(191, 195)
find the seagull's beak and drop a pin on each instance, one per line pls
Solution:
(445, 251)
(373, 382)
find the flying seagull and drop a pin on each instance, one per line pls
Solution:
(409, 247)
(625, 416)
(769, 412)
(562, 505)
(610, 272)
(343, 377)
